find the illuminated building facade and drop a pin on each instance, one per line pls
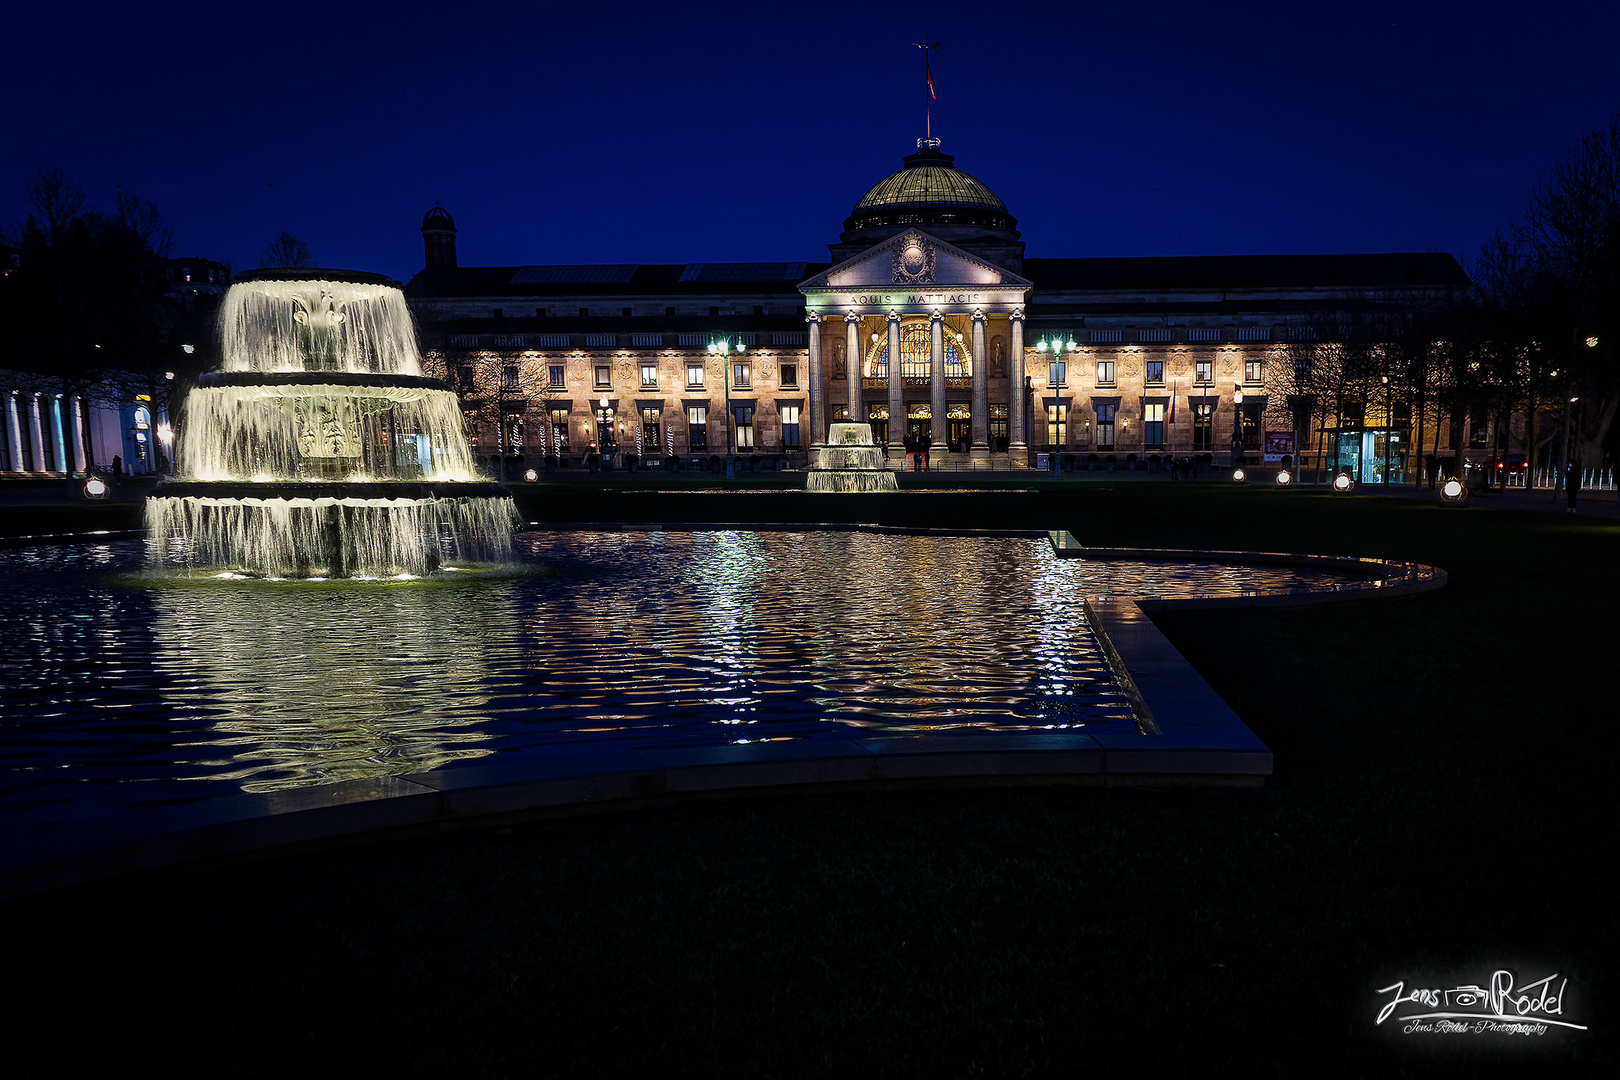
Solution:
(1001, 358)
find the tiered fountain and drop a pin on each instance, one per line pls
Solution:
(850, 461)
(319, 449)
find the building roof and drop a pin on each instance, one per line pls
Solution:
(1392, 270)
(607, 279)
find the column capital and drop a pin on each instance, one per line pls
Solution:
(1018, 313)
(894, 315)
(978, 315)
(937, 315)
(812, 317)
(851, 317)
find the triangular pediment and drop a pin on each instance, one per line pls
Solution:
(913, 259)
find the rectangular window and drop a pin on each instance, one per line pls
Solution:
(669, 313)
(1251, 371)
(559, 430)
(1155, 372)
(1056, 376)
(790, 374)
(697, 427)
(759, 309)
(694, 375)
(539, 312)
(745, 426)
(1204, 371)
(652, 434)
(1057, 426)
(509, 377)
(1105, 426)
(464, 377)
(1251, 424)
(1203, 421)
(790, 427)
(742, 373)
(601, 375)
(584, 312)
(649, 375)
(625, 312)
(499, 313)
(1153, 426)
(557, 374)
(1105, 373)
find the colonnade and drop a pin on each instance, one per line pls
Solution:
(43, 415)
(1018, 439)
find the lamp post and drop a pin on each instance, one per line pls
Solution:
(722, 347)
(1237, 427)
(1057, 347)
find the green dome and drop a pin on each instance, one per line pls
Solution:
(929, 190)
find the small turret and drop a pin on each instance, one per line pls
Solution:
(439, 238)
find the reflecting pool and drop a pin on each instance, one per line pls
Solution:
(123, 689)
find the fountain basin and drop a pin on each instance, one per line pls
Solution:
(850, 462)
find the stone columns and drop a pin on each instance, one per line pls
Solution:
(852, 367)
(981, 390)
(897, 393)
(936, 378)
(13, 419)
(1017, 438)
(818, 388)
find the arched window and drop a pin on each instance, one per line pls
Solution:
(914, 354)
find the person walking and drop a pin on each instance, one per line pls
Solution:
(1572, 486)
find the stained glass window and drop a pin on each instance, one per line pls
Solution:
(914, 354)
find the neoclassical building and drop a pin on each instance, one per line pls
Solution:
(927, 318)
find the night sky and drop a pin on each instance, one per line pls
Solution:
(667, 133)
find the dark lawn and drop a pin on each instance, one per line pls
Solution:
(1440, 808)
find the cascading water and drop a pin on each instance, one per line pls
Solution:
(319, 449)
(850, 461)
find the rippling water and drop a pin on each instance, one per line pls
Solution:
(122, 689)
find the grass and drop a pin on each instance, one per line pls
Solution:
(1439, 810)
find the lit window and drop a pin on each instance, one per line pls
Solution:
(649, 375)
(1203, 420)
(651, 430)
(559, 428)
(1251, 371)
(1057, 426)
(742, 373)
(557, 382)
(790, 426)
(694, 375)
(1056, 376)
(1203, 371)
(1155, 371)
(697, 427)
(1153, 426)
(745, 426)
(1105, 373)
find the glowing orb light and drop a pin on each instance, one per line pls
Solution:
(95, 488)
(1238, 476)
(531, 476)
(1284, 478)
(1452, 491)
(1343, 485)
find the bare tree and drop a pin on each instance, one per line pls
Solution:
(286, 251)
(54, 201)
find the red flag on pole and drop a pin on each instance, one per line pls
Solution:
(929, 71)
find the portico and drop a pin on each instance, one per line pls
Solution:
(932, 341)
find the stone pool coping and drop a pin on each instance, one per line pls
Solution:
(1187, 735)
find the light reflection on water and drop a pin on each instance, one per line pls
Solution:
(121, 690)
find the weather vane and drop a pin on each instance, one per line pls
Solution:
(928, 142)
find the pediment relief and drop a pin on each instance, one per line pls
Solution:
(913, 258)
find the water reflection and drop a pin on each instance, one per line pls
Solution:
(122, 690)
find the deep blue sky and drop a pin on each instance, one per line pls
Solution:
(666, 133)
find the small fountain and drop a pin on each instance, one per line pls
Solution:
(850, 461)
(319, 449)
